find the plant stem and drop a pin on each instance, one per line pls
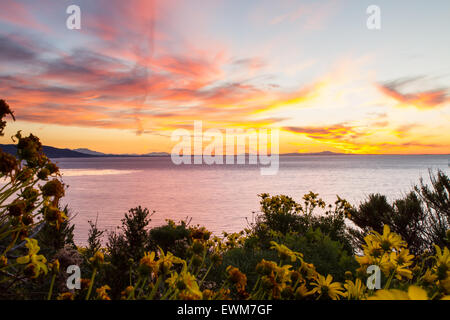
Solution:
(50, 291)
(155, 288)
(94, 272)
(204, 277)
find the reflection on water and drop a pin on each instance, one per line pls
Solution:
(221, 197)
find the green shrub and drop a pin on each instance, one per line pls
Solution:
(328, 256)
(281, 215)
(170, 237)
(421, 217)
(51, 240)
(125, 248)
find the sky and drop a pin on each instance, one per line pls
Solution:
(137, 70)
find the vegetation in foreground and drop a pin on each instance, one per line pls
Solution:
(288, 252)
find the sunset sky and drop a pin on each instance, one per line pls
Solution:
(139, 69)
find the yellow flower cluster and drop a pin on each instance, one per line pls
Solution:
(164, 276)
(185, 285)
(36, 263)
(389, 252)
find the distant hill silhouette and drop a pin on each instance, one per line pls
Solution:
(51, 152)
(96, 153)
(89, 152)
(323, 153)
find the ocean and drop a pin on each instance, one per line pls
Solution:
(225, 197)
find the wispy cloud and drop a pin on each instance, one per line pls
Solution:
(427, 99)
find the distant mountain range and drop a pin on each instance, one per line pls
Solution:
(53, 152)
(89, 152)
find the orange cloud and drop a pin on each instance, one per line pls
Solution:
(421, 100)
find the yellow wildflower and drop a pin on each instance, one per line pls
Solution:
(414, 293)
(54, 266)
(302, 292)
(402, 257)
(186, 283)
(442, 262)
(266, 268)
(308, 270)
(385, 264)
(364, 261)
(283, 274)
(167, 260)
(237, 277)
(285, 253)
(354, 290)
(348, 275)
(326, 287)
(401, 261)
(36, 263)
(102, 294)
(445, 284)
(127, 292)
(147, 264)
(98, 259)
(65, 296)
(388, 240)
(372, 248)
(428, 277)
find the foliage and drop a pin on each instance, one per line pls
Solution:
(327, 255)
(437, 202)
(170, 237)
(53, 240)
(126, 247)
(94, 239)
(29, 202)
(422, 217)
(281, 215)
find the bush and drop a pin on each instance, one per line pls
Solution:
(170, 237)
(328, 256)
(421, 217)
(437, 202)
(126, 248)
(281, 215)
(52, 240)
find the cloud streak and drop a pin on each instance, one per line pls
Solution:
(427, 99)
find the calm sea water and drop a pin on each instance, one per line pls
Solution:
(221, 197)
